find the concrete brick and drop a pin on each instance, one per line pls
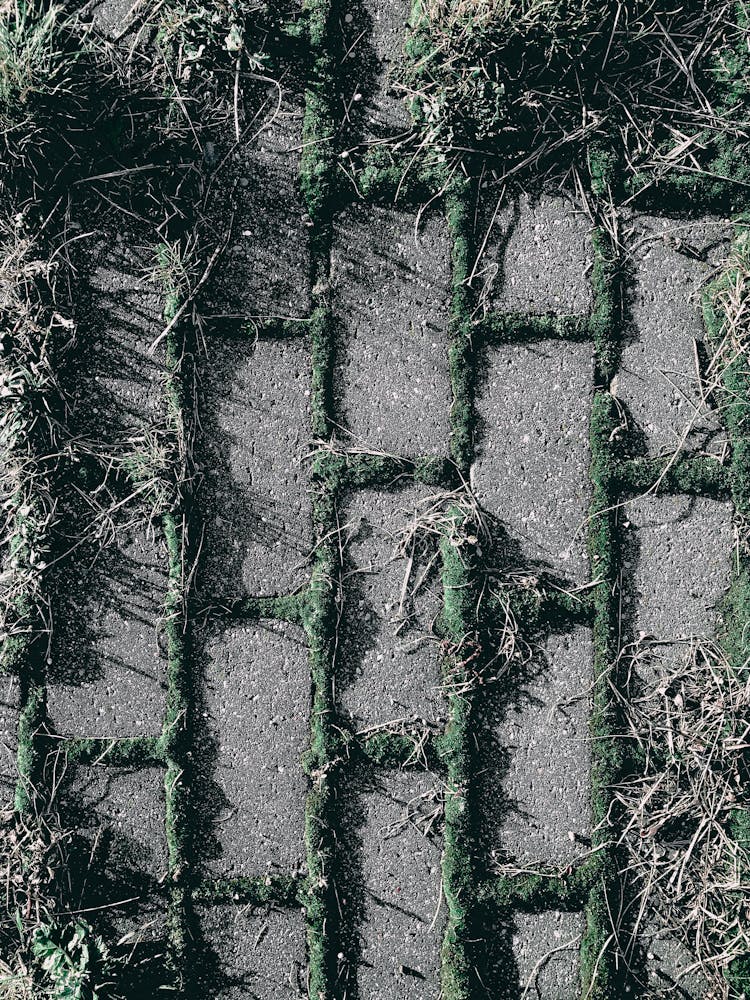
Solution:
(256, 953)
(533, 955)
(667, 961)
(373, 36)
(389, 667)
(391, 297)
(399, 936)
(108, 670)
(678, 566)
(264, 272)
(258, 707)
(659, 378)
(535, 758)
(115, 387)
(8, 738)
(537, 257)
(533, 450)
(255, 432)
(118, 858)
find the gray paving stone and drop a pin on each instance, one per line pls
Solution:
(389, 666)
(678, 566)
(117, 862)
(255, 434)
(531, 955)
(658, 379)
(391, 298)
(108, 669)
(546, 948)
(533, 450)
(258, 708)
(115, 386)
(109, 16)
(264, 272)
(537, 257)
(373, 40)
(400, 935)
(8, 738)
(667, 960)
(260, 954)
(534, 785)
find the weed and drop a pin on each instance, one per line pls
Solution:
(533, 84)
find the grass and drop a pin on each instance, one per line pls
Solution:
(533, 86)
(686, 719)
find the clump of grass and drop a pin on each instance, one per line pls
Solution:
(28, 441)
(35, 69)
(532, 82)
(688, 726)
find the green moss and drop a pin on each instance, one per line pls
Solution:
(510, 327)
(699, 476)
(286, 891)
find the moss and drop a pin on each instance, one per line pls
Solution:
(133, 751)
(500, 328)
(286, 891)
(606, 316)
(735, 405)
(700, 476)
(544, 890)
(460, 350)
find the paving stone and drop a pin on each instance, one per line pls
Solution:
(667, 960)
(537, 257)
(391, 298)
(258, 709)
(535, 757)
(8, 738)
(373, 36)
(108, 670)
(678, 566)
(115, 387)
(659, 378)
(264, 271)
(109, 16)
(255, 434)
(389, 667)
(117, 862)
(534, 955)
(533, 450)
(399, 868)
(258, 953)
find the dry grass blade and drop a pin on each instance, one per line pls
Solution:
(687, 721)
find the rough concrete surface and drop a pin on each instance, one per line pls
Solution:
(118, 859)
(667, 962)
(392, 884)
(259, 954)
(532, 955)
(545, 948)
(115, 387)
(389, 662)
(391, 299)
(662, 379)
(533, 456)
(373, 34)
(257, 711)
(254, 436)
(8, 738)
(537, 255)
(107, 676)
(256, 205)
(678, 561)
(534, 782)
